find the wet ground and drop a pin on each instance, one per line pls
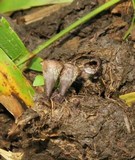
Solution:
(92, 123)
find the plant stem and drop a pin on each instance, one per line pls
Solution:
(75, 24)
(132, 23)
(70, 28)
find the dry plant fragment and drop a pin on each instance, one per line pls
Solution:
(8, 155)
(37, 14)
(51, 72)
(123, 8)
(12, 105)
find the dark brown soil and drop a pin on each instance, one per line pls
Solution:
(92, 123)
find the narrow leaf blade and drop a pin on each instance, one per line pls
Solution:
(14, 5)
(10, 43)
(13, 83)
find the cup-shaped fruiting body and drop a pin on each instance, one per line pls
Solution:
(68, 76)
(51, 72)
(92, 67)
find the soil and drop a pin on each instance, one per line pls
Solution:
(92, 123)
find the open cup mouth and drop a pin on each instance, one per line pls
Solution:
(93, 66)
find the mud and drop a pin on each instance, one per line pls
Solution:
(92, 123)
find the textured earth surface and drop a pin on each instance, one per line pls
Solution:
(92, 123)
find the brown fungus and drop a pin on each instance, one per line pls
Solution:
(68, 76)
(51, 72)
(92, 68)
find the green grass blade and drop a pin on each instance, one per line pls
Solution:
(69, 29)
(13, 5)
(128, 32)
(75, 24)
(12, 45)
(10, 42)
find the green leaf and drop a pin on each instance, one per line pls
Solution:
(12, 45)
(39, 81)
(13, 5)
(129, 98)
(13, 82)
(35, 64)
(10, 42)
